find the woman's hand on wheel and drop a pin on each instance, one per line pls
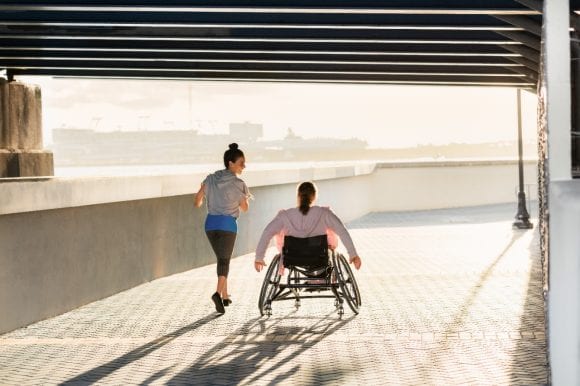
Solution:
(259, 265)
(356, 261)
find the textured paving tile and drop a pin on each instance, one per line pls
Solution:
(449, 297)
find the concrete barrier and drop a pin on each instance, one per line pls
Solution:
(434, 185)
(67, 242)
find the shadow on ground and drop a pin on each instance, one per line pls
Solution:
(529, 364)
(248, 358)
(110, 367)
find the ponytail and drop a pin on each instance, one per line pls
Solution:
(306, 195)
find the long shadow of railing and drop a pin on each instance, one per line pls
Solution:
(530, 363)
(255, 356)
(108, 368)
(424, 368)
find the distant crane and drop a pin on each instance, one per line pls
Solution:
(95, 123)
(144, 122)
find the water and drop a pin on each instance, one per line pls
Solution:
(152, 170)
(148, 170)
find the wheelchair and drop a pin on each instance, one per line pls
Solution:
(312, 269)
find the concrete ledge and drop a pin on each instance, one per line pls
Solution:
(452, 163)
(18, 195)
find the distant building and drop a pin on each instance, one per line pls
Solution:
(246, 130)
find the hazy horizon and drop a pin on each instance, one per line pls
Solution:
(385, 116)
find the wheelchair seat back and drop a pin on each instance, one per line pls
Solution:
(305, 252)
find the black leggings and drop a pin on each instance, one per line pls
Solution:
(222, 243)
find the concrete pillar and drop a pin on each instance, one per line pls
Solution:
(563, 198)
(21, 149)
(558, 93)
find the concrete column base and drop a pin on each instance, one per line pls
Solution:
(26, 163)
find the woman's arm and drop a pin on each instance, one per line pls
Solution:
(337, 226)
(199, 196)
(273, 228)
(244, 204)
(245, 201)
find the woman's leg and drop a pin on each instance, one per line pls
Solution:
(224, 265)
(222, 243)
(222, 285)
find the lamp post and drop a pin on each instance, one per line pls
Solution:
(522, 217)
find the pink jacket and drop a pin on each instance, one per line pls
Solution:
(318, 221)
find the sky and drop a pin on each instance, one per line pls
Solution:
(385, 116)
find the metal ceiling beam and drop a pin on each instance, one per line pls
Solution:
(523, 22)
(526, 52)
(273, 56)
(351, 47)
(187, 28)
(191, 20)
(522, 37)
(536, 5)
(530, 74)
(273, 67)
(447, 4)
(367, 78)
(293, 7)
(292, 34)
(525, 62)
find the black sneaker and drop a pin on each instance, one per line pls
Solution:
(219, 305)
(227, 302)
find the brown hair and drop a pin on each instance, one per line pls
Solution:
(306, 195)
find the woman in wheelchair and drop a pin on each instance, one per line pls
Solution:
(304, 221)
(300, 233)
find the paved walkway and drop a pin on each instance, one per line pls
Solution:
(449, 297)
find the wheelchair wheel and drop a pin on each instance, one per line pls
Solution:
(347, 283)
(269, 287)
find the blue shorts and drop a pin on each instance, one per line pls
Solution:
(219, 222)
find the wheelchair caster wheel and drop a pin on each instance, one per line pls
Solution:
(297, 304)
(268, 310)
(340, 311)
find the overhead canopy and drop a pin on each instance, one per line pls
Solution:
(448, 42)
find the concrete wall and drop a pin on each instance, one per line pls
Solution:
(62, 245)
(416, 186)
(57, 260)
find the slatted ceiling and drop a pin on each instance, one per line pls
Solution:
(491, 42)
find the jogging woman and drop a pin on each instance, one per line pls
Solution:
(227, 195)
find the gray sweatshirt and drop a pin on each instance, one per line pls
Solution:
(318, 221)
(224, 191)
